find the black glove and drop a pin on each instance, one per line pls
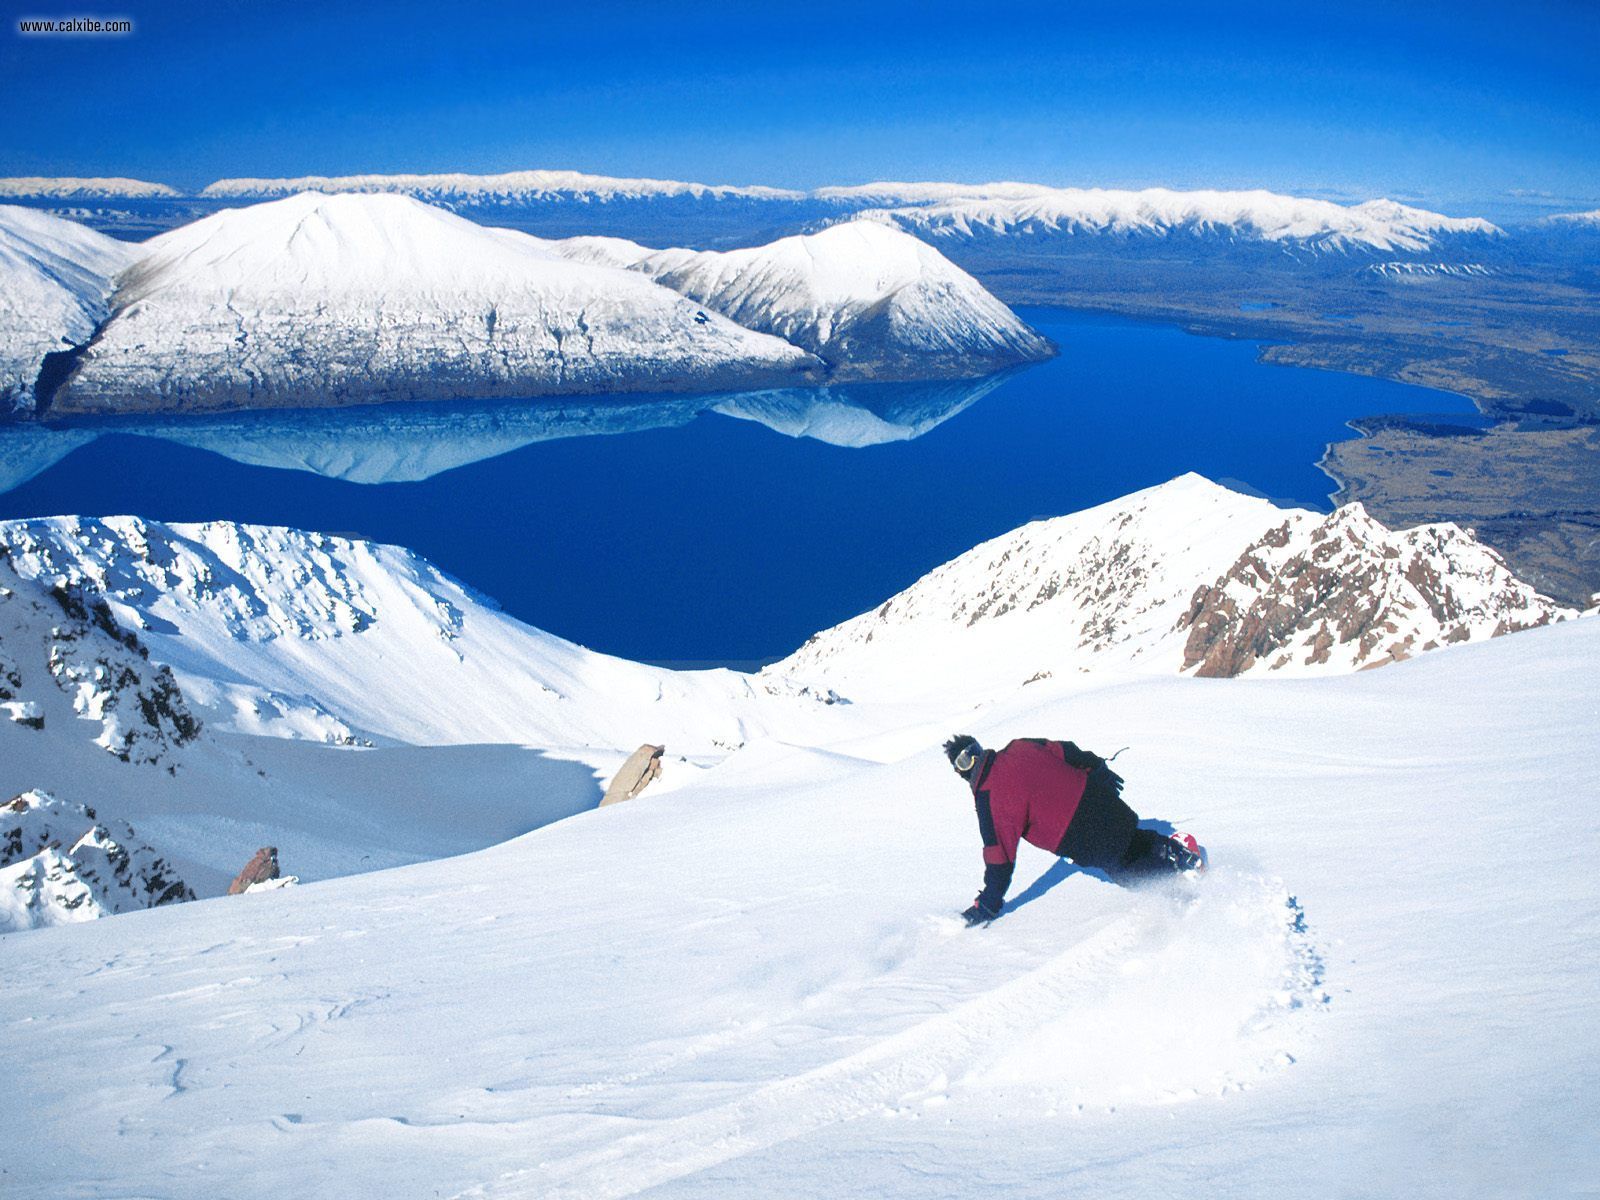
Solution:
(978, 915)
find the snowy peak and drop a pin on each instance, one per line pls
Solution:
(870, 300)
(1346, 593)
(1317, 225)
(59, 865)
(1187, 576)
(318, 300)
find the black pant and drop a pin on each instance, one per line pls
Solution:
(1150, 856)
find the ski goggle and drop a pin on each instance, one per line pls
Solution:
(966, 759)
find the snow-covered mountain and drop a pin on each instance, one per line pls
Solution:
(224, 687)
(296, 634)
(59, 864)
(322, 300)
(67, 188)
(870, 300)
(55, 276)
(513, 187)
(1187, 576)
(1294, 222)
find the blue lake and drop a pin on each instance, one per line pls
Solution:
(699, 530)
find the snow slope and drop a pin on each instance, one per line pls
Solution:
(209, 769)
(321, 300)
(871, 301)
(753, 985)
(1186, 576)
(55, 276)
(1314, 225)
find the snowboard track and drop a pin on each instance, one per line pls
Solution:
(914, 1064)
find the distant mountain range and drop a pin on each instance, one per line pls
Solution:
(952, 207)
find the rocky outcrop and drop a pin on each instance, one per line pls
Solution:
(262, 867)
(104, 869)
(57, 635)
(1185, 577)
(1344, 592)
(642, 768)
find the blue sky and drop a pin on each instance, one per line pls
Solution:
(1491, 109)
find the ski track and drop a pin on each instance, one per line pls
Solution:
(916, 1065)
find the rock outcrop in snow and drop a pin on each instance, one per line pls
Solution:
(261, 869)
(1345, 593)
(61, 643)
(871, 301)
(1317, 226)
(55, 276)
(60, 864)
(322, 300)
(1187, 576)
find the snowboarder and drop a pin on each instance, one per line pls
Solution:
(1064, 800)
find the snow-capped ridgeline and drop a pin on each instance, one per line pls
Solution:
(1000, 205)
(866, 298)
(303, 635)
(55, 276)
(1411, 271)
(513, 187)
(1316, 225)
(60, 864)
(67, 188)
(1187, 576)
(322, 300)
(1590, 219)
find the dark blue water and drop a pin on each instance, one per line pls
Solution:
(710, 539)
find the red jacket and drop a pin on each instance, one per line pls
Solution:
(1030, 790)
(1026, 791)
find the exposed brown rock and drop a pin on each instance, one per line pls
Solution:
(261, 867)
(643, 767)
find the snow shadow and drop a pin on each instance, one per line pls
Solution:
(1063, 869)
